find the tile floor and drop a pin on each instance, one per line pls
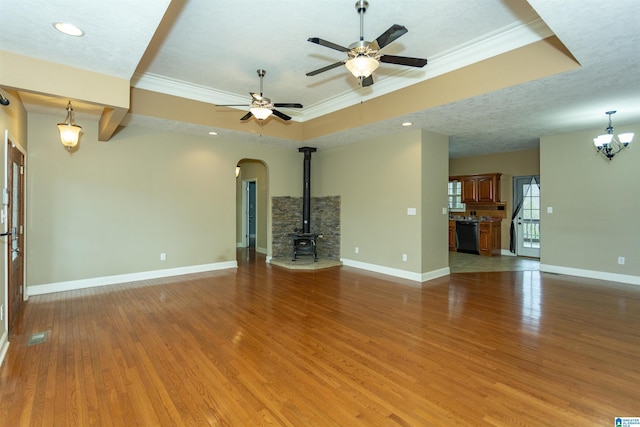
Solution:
(469, 263)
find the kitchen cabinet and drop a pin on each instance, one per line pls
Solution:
(489, 238)
(469, 190)
(452, 236)
(479, 188)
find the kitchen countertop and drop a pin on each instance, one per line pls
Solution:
(475, 219)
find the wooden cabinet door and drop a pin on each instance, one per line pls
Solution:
(452, 236)
(486, 189)
(497, 238)
(469, 190)
(484, 238)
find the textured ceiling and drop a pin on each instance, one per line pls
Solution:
(210, 50)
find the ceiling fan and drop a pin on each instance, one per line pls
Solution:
(261, 107)
(363, 56)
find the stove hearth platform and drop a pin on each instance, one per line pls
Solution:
(306, 263)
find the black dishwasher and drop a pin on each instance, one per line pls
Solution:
(467, 237)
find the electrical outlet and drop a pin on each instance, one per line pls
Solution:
(621, 260)
(163, 256)
(404, 257)
(357, 250)
(1, 312)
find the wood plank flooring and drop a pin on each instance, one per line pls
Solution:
(262, 345)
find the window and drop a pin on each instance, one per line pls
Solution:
(455, 197)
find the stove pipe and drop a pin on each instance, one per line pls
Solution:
(306, 193)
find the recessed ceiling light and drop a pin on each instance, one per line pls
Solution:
(407, 124)
(213, 133)
(68, 29)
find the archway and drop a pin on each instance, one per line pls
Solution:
(252, 185)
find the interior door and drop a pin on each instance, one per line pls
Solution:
(528, 219)
(15, 228)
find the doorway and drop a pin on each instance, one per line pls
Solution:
(14, 231)
(526, 216)
(249, 214)
(252, 205)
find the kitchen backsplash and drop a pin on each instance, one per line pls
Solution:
(492, 210)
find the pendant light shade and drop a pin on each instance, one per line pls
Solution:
(69, 131)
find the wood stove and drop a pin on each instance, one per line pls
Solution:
(303, 240)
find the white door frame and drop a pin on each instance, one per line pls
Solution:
(521, 249)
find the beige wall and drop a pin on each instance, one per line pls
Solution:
(378, 180)
(112, 207)
(595, 204)
(510, 164)
(435, 222)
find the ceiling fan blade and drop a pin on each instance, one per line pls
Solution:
(281, 115)
(367, 81)
(403, 60)
(330, 45)
(247, 116)
(233, 105)
(288, 105)
(393, 33)
(327, 68)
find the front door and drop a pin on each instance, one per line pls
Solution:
(528, 219)
(15, 228)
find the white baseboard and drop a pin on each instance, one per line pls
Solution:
(591, 274)
(403, 274)
(124, 278)
(506, 252)
(4, 346)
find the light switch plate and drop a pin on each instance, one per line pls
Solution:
(411, 211)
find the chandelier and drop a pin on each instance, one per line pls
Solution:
(607, 144)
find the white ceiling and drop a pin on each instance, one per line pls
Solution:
(210, 50)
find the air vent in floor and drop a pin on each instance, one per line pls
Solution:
(37, 338)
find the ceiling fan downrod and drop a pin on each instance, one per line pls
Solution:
(261, 74)
(361, 7)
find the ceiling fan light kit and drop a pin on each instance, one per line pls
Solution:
(362, 66)
(261, 107)
(363, 56)
(260, 113)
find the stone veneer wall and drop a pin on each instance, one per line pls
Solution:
(286, 216)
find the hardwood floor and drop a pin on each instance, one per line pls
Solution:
(267, 346)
